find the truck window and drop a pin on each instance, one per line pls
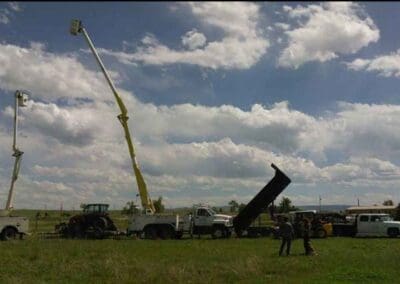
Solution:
(364, 219)
(203, 212)
(375, 218)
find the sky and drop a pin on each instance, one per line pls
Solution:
(215, 92)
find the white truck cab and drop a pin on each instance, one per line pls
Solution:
(377, 225)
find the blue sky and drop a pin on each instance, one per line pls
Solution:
(215, 91)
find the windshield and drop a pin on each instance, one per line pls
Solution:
(386, 218)
(212, 211)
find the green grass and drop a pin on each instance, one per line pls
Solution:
(339, 260)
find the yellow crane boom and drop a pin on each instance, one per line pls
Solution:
(147, 203)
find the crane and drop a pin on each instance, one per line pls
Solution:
(147, 204)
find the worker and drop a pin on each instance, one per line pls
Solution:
(308, 249)
(287, 234)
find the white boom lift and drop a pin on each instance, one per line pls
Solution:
(11, 226)
(147, 204)
(20, 101)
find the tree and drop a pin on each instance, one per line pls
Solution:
(241, 206)
(234, 206)
(158, 205)
(397, 213)
(388, 202)
(130, 208)
(286, 205)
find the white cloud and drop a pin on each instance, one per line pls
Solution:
(14, 6)
(282, 26)
(241, 47)
(76, 153)
(7, 14)
(193, 39)
(325, 31)
(384, 65)
(49, 75)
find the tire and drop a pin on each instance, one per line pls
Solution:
(100, 223)
(321, 233)
(166, 233)
(9, 233)
(150, 233)
(393, 232)
(218, 232)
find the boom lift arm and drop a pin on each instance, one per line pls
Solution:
(20, 101)
(147, 203)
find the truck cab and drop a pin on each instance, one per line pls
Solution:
(207, 221)
(377, 225)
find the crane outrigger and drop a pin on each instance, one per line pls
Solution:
(147, 204)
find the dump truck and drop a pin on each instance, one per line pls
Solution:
(203, 220)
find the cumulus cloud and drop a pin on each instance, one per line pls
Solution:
(384, 65)
(324, 31)
(7, 13)
(46, 74)
(76, 153)
(241, 47)
(193, 39)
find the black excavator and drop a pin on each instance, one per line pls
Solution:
(93, 222)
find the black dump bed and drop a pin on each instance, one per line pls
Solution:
(261, 201)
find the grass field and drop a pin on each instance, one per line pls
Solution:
(339, 260)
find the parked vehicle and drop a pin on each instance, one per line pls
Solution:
(319, 227)
(13, 226)
(93, 222)
(202, 220)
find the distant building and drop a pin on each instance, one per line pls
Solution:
(372, 209)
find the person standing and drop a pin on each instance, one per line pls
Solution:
(308, 249)
(287, 234)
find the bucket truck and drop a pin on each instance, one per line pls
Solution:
(11, 226)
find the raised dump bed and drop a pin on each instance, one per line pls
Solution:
(261, 201)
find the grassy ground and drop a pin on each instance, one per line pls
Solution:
(339, 260)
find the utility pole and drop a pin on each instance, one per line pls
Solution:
(320, 203)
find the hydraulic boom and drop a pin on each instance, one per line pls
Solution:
(76, 28)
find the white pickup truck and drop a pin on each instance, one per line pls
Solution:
(11, 226)
(376, 225)
(203, 220)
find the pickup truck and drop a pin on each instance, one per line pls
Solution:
(369, 225)
(11, 226)
(377, 225)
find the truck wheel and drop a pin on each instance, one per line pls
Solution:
(166, 233)
(218, 232)
(321, 233)
(150, 233)
(393, 232)
(9, 234)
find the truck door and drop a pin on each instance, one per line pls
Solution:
(376, 225)
(363, 226)
(202, 218)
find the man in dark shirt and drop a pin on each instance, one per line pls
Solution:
(287, 234)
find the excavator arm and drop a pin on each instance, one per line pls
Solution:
(147, 204)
